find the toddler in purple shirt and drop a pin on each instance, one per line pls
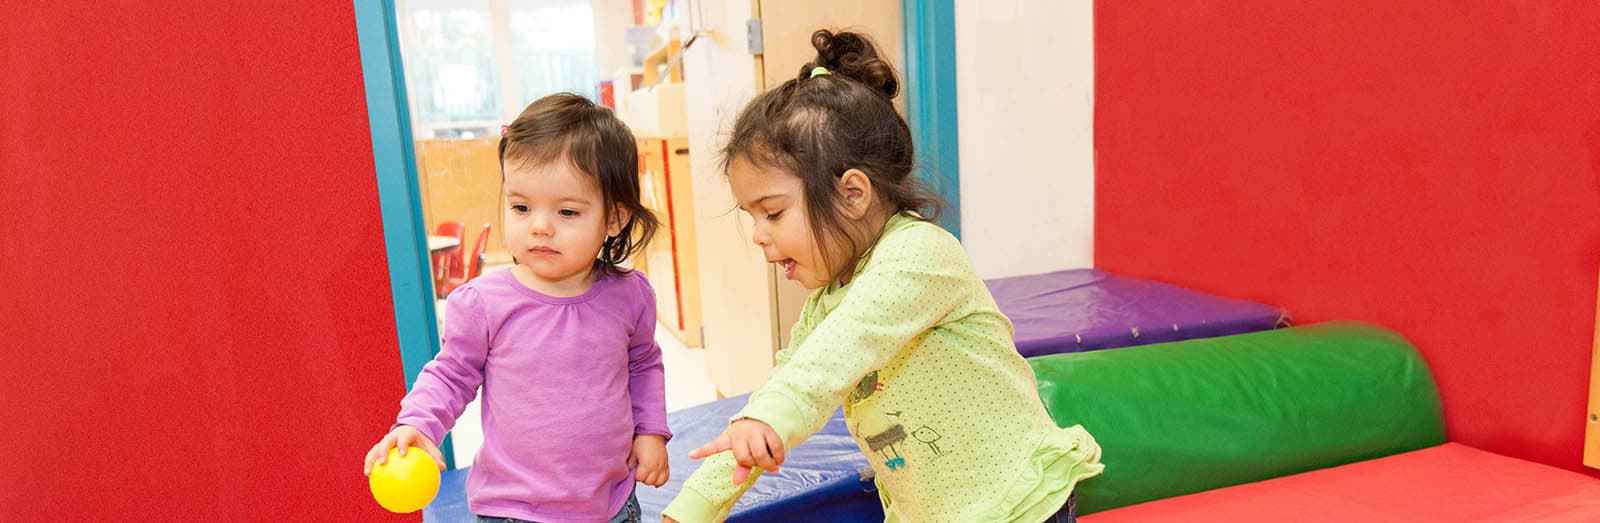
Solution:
(562, 345)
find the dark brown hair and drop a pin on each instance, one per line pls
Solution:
(569, 126)
(819, 126)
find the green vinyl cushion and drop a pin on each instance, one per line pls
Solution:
(1189, 416)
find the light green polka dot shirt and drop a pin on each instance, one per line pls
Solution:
(933, 389)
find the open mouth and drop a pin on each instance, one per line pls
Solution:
(788, 269)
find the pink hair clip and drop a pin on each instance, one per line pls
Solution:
(503, 130)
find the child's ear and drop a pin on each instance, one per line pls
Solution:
(855, 187)
(619, 218)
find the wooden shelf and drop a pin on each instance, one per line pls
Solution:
(670, 262)
(659, 59)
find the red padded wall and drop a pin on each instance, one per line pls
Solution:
(196, 319)
(1427, 165)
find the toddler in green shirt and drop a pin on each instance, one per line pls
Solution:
(900, 329)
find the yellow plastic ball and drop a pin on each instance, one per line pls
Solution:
(405, 483)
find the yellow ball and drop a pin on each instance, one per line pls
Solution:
(405, 483)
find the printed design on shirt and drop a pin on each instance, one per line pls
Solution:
(883, 443)
(929, 437)
(868, 386)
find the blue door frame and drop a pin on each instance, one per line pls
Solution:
(393, 157)
(930, 106)
(930, 28)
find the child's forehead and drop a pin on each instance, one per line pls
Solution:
(750, 173)
(549, 179)
(752, 189)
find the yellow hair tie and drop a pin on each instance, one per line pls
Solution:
(819, 71)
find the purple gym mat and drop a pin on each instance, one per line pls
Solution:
(1091, 309)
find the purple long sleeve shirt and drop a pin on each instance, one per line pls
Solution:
(567, 383)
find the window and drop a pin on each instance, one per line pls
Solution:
(472, 65)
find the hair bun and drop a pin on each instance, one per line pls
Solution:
(853, 56)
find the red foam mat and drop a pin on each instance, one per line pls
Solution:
(1450, 482)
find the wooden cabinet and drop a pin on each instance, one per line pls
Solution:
(460, 182)
(670, 261)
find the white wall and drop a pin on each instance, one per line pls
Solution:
(611, 20)
(1025, 86)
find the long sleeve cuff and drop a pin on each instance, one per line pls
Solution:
(781, 414)
(652, 429)
(690, 507)
(431, 428)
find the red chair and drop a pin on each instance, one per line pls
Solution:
(447, 261)
(473, 266)
(475, 262)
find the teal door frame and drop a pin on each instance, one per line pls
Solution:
(930, 106)
(395, 160)
(930, 29)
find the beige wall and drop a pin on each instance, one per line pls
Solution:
(1025, 84)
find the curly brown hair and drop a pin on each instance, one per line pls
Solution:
(817, 126)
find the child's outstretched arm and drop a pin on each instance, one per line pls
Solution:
(647, 390)
(915, 279)
(449, 382)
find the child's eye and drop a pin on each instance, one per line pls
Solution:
(569, 213)
(774, 216)
(519, 208)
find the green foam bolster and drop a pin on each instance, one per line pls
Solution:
(1195, 415)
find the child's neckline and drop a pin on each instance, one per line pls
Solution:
(895, 221)
(601, 278)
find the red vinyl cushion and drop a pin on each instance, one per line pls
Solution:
(1450, 482)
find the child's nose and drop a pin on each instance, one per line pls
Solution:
(541, 226)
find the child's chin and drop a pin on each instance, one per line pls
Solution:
(553, 271)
